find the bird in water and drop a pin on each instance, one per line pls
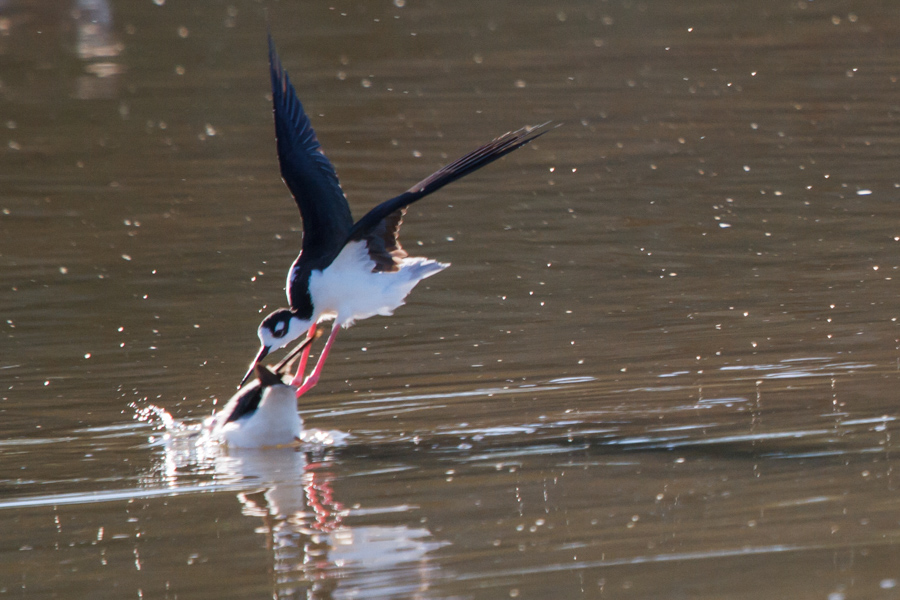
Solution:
(346, 271)
(263, 412)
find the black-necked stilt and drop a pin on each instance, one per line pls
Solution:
(346, 271)
(273, 422)
(263, 412)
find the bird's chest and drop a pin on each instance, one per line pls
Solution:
(348, 289)
(274, 422)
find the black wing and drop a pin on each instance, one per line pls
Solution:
(381, 226)
(244, 402)
(383, 242)
(306, 171)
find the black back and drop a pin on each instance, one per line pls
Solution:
(245, 401)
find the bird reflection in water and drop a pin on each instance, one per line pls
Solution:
(98, 46)
(319, 540)
(36, 35)
(300, 516)
(310, 532)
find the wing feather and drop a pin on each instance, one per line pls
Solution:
(380, 228)
(306, 170)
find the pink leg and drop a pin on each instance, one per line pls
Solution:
(301, 367)
(313, 378)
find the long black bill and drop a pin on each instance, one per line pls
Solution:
(279, 367)
(263, 351)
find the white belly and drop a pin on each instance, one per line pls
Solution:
(348, 289)
(275, 422)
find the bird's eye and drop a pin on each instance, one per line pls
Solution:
(280, 329)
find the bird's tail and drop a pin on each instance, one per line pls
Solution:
(416, 269)
(399, 284)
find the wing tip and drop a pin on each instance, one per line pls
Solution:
(486, 154)
(529, 133)
(276, 70)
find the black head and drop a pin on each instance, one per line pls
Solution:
(276, 331)
(267, 378)
(276, 325)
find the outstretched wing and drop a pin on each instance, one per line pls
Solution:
(306, 171)
(381, 226)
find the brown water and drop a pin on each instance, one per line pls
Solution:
(664, 363)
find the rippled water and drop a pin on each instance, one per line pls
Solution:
(664, 363)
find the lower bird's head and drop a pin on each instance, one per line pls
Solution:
(277, 331)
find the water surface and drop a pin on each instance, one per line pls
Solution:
(664, 363)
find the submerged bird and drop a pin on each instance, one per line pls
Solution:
(263, 412)
(346, 271)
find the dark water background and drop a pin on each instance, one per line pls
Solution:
(664, 363)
